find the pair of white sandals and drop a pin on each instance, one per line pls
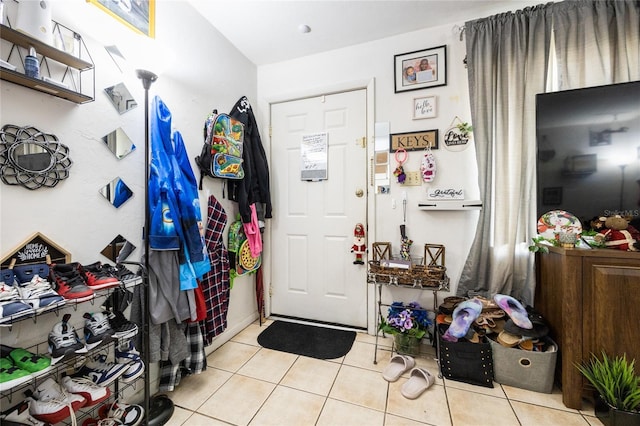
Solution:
(420, 379)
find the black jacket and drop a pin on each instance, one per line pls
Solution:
(254, 188)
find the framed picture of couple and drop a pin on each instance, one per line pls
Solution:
(420, 69)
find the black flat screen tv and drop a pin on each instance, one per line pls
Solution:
(588, 153)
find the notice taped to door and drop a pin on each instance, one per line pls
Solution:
(313, 157)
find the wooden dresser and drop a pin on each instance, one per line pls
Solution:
(591, 299)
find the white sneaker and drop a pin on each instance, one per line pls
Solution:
(86, 388)
(11, 307)
(39, 294)
(128, 354)
(64, 341)
(100, 371)
(52, 404)
(127, 414)
(19, 414)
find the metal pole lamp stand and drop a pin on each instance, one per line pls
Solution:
(148, 78)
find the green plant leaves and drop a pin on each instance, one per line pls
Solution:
(615, 380)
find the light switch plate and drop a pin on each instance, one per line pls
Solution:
(413, 179)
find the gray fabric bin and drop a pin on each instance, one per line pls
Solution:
(524, 369)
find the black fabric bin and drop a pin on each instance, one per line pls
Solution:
(464, 361)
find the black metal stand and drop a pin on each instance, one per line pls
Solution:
(147, 78)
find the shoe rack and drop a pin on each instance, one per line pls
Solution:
(42, 324)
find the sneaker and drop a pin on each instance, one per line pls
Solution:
(84, 387)
(102, 422)
(126, 414)
(122, 327)
(64, 341)
(25, 360)
(100, 371)
(69, 283)
(39, 294)
(51, 403)
(11, 307)
(127, 354)
(99, 276)
(96, 329)
(19, 415)
(125, 275)
(12, 375)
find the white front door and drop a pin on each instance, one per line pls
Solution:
(313, 274)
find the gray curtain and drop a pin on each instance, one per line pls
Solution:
(507, 60)
(594, 43)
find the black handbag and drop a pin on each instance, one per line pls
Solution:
(464, 361)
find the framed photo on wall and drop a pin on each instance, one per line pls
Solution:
(421, 69)
(139, 15)
(424, 107)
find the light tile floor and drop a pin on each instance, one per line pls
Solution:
(245, 384)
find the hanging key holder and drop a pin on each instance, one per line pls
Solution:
(401, 157)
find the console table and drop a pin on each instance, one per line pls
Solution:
(591, 299)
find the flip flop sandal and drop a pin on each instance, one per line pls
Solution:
(514, 309)
(494, 313)
(398, 365)
(440, 318)
(539, 329)
(526, 345)
(507, 339)
(485, 322)
(449, 304)
(463, 316)
(473, 337)
(419, 381)
(486, 303)
(499, 328)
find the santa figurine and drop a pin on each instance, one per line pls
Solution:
(359, 246)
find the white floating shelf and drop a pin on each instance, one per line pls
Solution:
(450, 205)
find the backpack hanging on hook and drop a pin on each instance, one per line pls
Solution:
(221, 155)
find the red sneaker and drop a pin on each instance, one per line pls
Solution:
(99, 276)
(69, 283)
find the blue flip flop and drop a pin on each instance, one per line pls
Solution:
(463, 316)
(515, 310)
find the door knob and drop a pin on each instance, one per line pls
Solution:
(359, 193)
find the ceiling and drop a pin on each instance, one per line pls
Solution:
(267, 31)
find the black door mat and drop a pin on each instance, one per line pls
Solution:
(307, 340)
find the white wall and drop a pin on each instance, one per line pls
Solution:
(206, 72)
(349, 68)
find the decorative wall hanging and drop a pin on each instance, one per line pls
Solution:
(424, 107)
(428, 166)
(119, 143)
(121, 98)
(35, 249)
(31, 158)
(458, 135)
(445, 194)
(420, 69)
(118, 249)
(116, 192)
(140, 15)
(413, 141)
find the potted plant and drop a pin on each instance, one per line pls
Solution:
(617, 385)
(408, 324)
